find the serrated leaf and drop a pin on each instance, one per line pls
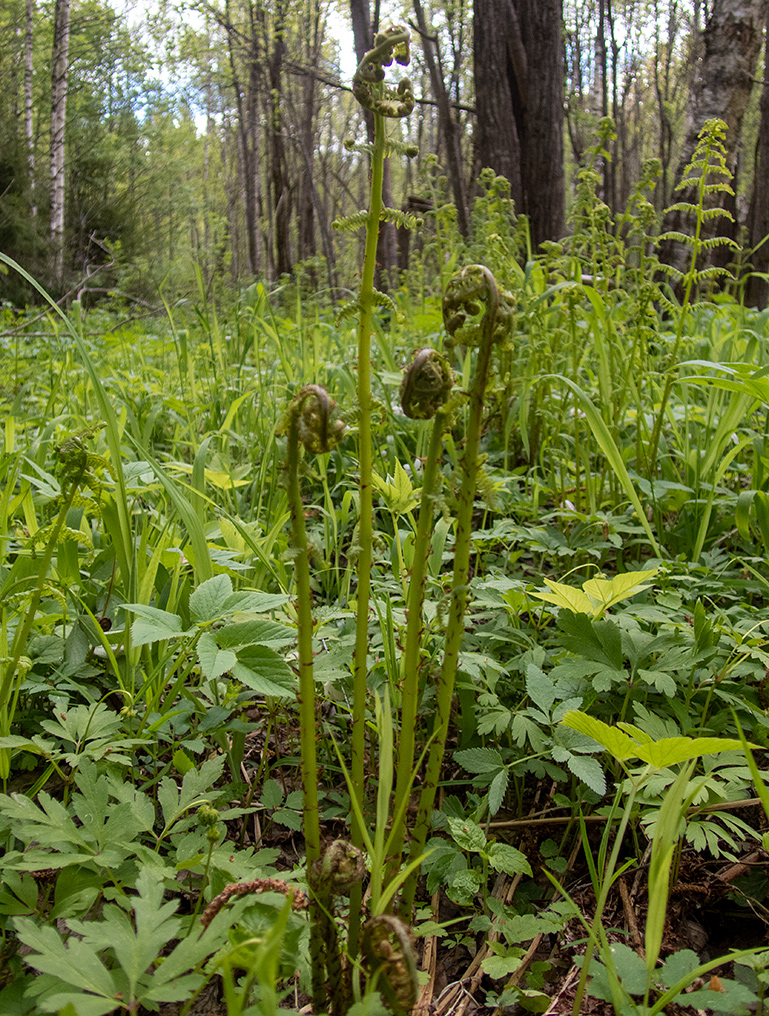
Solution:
(182, 762)
(214, 661)
(479, 760)
(467, 835)
(621, 587)
(540, 688)
(289, 819)
(255, 632)
(153, 625)
(498, 967)
(613, 740)
(497, 791)
(208, 601)
(503, 857)
(252, 601)
(566, 596)
(265, 672)
(272, 795)
(589, 771)
(670, 751)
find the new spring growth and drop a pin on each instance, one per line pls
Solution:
(426, 385)
(388, 948)
(368, 84)
(340, 868)
(472, 297)
(318, 429)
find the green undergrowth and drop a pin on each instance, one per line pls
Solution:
(152, 629)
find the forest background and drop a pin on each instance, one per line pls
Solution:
(137, 142)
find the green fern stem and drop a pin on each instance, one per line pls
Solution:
(689, 280)
(459, 588)
(365, 523)
(308, 734)
(414, 629)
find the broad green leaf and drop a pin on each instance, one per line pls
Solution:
(265, 672)
(613, 740)
(540, 688)
(214, 661)
(568, 597)
(479, 760)
(272, 795)
(254, 602)
(72, 963)
(589, 771)
(153, 625)
(610, 591)
(255, 632)
(498, 967)
(497, 791)
(208, 601)
(670, 751)
(503, 857)
(467, 834)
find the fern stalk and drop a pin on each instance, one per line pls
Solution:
(365, 456)
(474, 284)
(310, 423)
(426, 387)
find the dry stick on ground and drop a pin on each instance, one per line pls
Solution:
(630, 918)
(430, 965)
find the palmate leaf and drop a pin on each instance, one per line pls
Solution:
(74, 964)
(662, 754)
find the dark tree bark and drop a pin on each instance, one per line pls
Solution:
(519, 79)
(721, 89)
(757, 290)
(449, 126)
(246, 101)
(281, 193)
(28, 129)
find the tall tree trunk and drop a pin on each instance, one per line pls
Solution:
(721, 89)
(28, 127)
(519, 78)
(448, 123)
(248, 132)
(281, 193)
(757, 290)
(60, 62)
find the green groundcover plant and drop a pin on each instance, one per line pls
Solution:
(303, 624)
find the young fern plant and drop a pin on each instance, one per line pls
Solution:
(311, 424)
(385, 103)
(707, 176)
(77, 473)
(425, 395)
(475, 313)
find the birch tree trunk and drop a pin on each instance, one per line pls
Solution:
(721, 89)
(758, 218)
(60, 62)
